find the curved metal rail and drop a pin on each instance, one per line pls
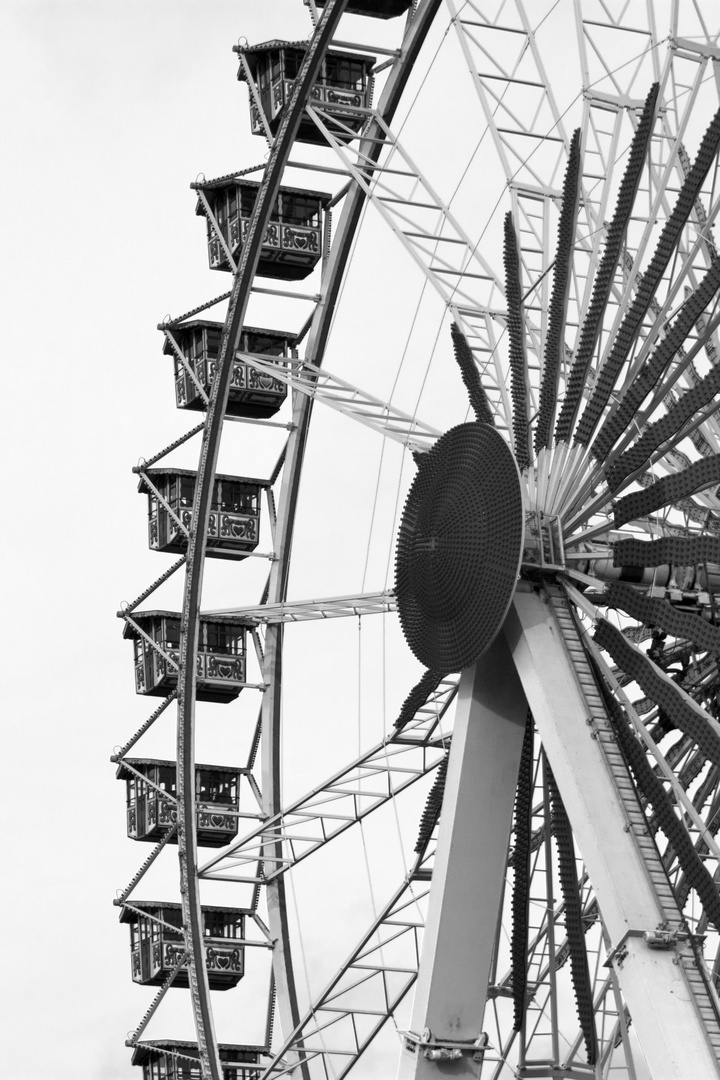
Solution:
(280, 152)
(187, 847)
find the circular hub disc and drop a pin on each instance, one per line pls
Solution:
(459, 547)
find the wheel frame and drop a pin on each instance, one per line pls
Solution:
(277, 593)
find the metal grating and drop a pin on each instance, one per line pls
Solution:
(459, 547)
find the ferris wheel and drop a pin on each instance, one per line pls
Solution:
(518, 494)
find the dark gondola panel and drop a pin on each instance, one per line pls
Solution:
(156, 943)
(221, 654)
(343, 86)
(234, 525)
(151, 811)
(293, 242)
(375, 9)
(174, 1060)
(252, 393)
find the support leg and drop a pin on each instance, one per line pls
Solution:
(469, 870)
(623, 863)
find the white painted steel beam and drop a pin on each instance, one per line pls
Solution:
(436, 242)
(653, 981)
(333, 607)
(346, 798)
(469, 871)
(321, 385)
(344, 1019)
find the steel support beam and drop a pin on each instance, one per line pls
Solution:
(620, 863)
(469, 870)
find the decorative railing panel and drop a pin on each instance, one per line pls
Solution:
(151, 816)
(152, 962)
(156, 675)
(278, 237)
(226, 529)
(247, 386)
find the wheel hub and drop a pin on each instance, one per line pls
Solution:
(459, 547)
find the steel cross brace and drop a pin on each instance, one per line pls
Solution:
(339, 394)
